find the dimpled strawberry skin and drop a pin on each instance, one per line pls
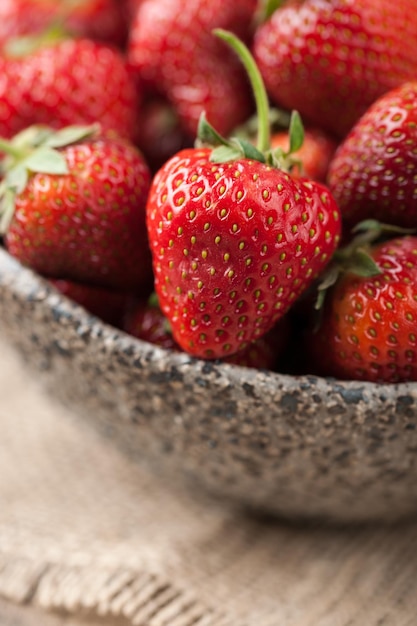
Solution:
(174, 50)
(71, 82)
(88, 225)
(233, 247)
(369, 329)
(331, 60)
(98, 19)
(374, 172)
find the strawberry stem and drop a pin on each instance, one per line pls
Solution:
(261, 98)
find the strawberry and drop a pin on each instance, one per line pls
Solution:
(146, 321)
(267, 351)
(96, 19)
(106, 304)
(68, 82)
(173, 50)
(332, 60)
(314, 156)
(374, 172)
(368, 328)
(73, 206)
(235, 240)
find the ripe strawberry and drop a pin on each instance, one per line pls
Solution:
(95, 19)
(106, 304)
(374, 172)
(146, 321)
(172, 47)
(267, 351)
(235, 240)
(73, 206)
(368, 329)
(331, 60)
(68, 82)
(314, 156)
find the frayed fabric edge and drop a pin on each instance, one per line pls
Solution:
(132, 597)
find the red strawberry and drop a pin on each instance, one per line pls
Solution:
(69, 82)
(314, 155)
(331, 60)
(368, 329)
(98, 19)
(374, 172)
(235, 240)
(106, 304)
(267, 351)
(146, 321)
(174, 51)
(234, 245)
(73, 206)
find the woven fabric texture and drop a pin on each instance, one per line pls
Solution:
(89, 537)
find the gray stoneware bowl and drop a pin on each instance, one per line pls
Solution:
(298, 447)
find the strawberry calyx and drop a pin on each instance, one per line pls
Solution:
(34, 150)
(356, 256)
(55, 32)
(24, 45)
(229, 149)
(279, 119)
(225, 150)
(266, 8)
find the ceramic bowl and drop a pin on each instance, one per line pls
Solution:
(298, 447)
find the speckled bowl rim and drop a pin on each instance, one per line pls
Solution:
(25, 283)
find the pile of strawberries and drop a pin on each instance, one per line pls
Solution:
(237, 180)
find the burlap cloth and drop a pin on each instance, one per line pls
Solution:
(89, 537)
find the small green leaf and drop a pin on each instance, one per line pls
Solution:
(362, 264)
(24, 45)
(16, 178)
(381, 228)
(366, 225)
(47, 161)
(7, 207)
(270, 6)
(248, 150)
(224, 154)
(296, 132)
(321, 297)
(208, 135)
(32, 137)
(266, 8)
(328, 279)
(71, 134)
(17, 47)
